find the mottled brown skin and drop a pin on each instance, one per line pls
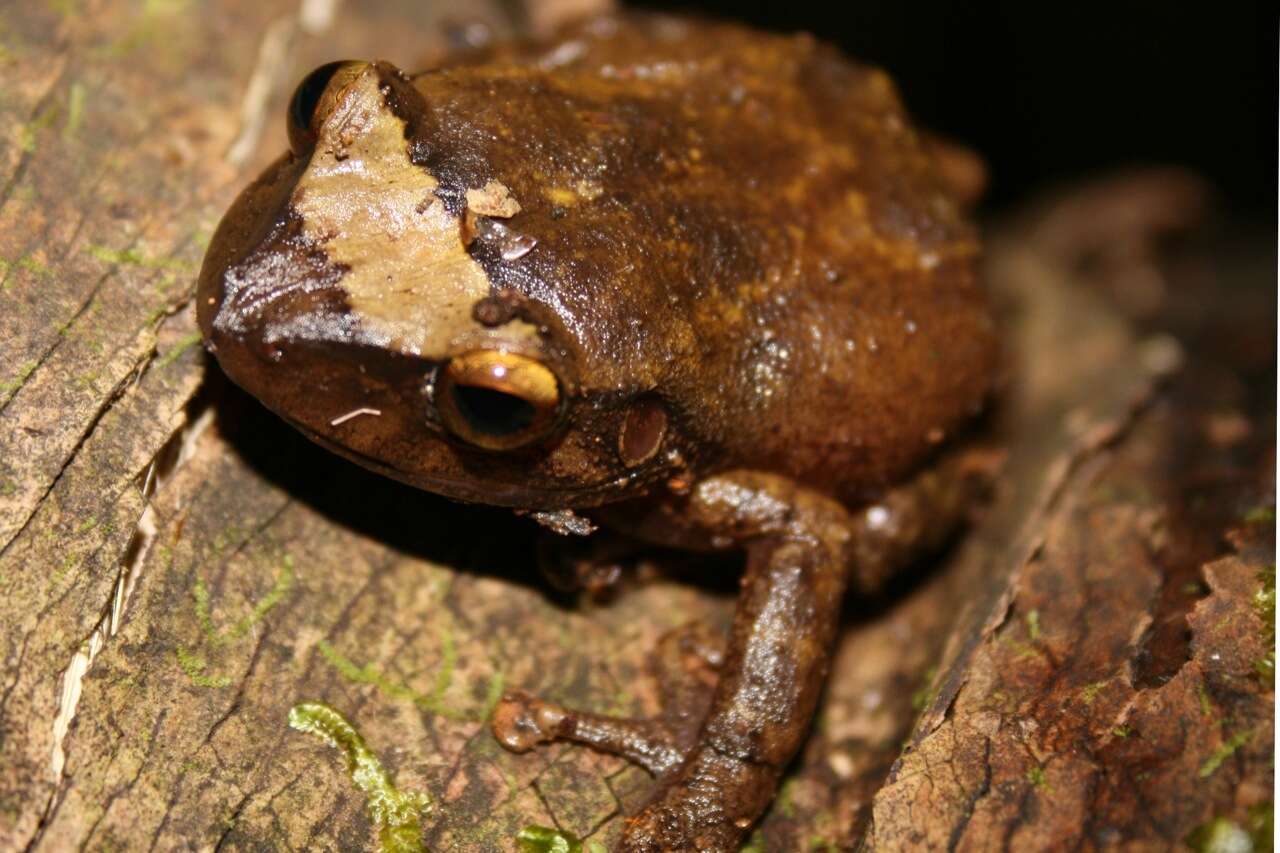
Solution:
(737, 266)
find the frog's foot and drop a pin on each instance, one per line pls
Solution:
(706, 800)
(521, 722)
(686, 670)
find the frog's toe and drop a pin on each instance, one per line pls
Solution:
(520, 721)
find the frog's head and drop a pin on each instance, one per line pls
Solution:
(342, 290)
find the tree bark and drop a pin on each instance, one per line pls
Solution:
(1087, 666)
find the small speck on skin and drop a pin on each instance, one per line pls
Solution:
(493, 199)
(354, 413)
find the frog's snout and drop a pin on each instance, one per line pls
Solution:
(497, 400)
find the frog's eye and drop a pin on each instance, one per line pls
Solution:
(305, 105)
(497, 400)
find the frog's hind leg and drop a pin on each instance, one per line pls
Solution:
(718, 765)
(686, 669)
(801, 547)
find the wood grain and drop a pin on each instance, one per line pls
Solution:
(1086, 668)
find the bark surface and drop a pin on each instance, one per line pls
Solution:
(1090, 665)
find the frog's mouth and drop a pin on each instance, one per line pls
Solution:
(487, 491)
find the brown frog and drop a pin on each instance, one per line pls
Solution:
(702, 284)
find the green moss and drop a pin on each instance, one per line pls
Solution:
(1260, 515)
(122, 257)
(1264, 605)
(181, 346)
(147, 31)
(923, 694)
(1090, 691)
(1037, 778)
(1220, 835)
(35, 267)
(448, 662)
(1262, 825)
(395, 689)
(785, 802)
(23, 374)
(1033, 625)
(1122, 731)
(280, 587)
(396, 814)
(30, 132)
(1024, 650)
(194, 665)
(1222, 753)
(493, 693)
(75, 110)
(133, 257)
(70, 562)
(544, 839)
(1206, 704)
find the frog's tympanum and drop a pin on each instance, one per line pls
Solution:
(702, 284)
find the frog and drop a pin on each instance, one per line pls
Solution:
(700, 284)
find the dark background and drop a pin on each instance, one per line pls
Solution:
(1049, 92)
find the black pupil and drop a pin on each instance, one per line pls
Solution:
(303, 105)
(493, 412)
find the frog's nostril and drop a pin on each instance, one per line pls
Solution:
(497, 400)
(313, 99)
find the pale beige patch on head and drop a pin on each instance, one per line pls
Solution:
(410, 279)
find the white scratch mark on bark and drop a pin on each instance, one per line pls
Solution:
(314, 17)
(159, 473)
(268, 73)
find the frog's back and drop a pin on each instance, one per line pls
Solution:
(744, 225)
